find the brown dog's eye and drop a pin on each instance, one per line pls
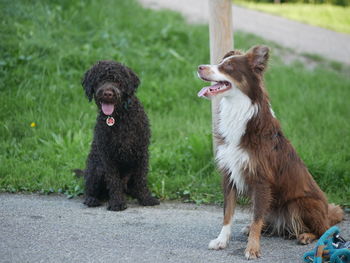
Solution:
(228, 67)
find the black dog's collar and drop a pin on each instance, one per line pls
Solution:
(110, 121)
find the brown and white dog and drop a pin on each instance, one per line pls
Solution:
(257, 160)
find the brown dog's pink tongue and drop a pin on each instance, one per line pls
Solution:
(107, 108)
(203, 93)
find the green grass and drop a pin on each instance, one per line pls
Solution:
(46, 47)
(333, 17)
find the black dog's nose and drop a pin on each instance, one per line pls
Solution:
(108, 94)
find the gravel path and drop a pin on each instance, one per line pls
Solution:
(46, 229)
(298, 36)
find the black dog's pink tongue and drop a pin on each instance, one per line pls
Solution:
(107, 108)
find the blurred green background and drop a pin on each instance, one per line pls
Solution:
(46, 123)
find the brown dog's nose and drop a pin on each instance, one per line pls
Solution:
(108, 94)
(201, 67)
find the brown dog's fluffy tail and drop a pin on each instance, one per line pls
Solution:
(335, 214)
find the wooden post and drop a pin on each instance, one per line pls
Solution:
(221, 38)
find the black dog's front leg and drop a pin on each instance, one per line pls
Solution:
(93, 181)
(137, 186)
(92, 189)
(115, 191)
(138, 189)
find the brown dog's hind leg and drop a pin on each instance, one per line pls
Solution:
(315, 218)
(306, 238)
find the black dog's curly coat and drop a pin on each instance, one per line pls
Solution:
(118, 160)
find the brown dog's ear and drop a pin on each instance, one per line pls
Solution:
(258, 57)
(232, 53)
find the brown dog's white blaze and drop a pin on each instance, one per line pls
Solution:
(257, 160)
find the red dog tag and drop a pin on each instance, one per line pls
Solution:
(110, 121)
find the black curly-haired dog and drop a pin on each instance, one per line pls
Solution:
(118, 160)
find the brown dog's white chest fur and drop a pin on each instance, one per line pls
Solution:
(235, 110)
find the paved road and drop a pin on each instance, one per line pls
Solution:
(298, 36)
(37, 228)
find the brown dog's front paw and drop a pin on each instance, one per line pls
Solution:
(113, 206)
(149, 201)
(252, 251)
(306, 238)
(91, 201)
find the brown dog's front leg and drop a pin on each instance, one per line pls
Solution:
(253, 248)
(229, 206)
(261, 201)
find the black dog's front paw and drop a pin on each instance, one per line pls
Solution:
(91, 201)
(149, 201)
(115, 206)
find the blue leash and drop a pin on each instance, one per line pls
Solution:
(331, 247)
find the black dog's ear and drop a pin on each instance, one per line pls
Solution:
(133, 81)
(88, 82)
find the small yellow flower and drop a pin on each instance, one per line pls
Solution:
(33, 124)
